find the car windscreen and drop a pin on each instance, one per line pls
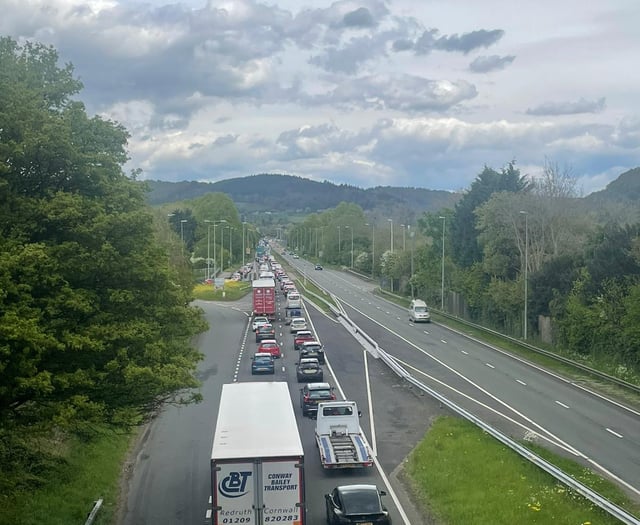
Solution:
(262, 360)
(361, 502)
(320, 394)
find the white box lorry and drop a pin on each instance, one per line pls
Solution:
(339, 437)
(257, 460)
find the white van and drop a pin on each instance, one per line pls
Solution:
(418, 312)
(294, 300)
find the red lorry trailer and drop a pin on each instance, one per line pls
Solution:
(264, 298)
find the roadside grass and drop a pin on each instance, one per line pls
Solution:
(459, 474)
(232, 291)
(88, 470)
(311, 289)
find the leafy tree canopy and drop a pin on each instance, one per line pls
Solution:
(94, 325)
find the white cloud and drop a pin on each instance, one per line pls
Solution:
(364, 92)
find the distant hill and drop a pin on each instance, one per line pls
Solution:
(626, 188)
(290, 194)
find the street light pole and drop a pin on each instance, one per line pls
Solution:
(444, 221)
(230, 245)
(244, 248)
(373, 248)
(208, 222)
(215, 223)
(404, 239)
(526, 271)
(222, 248)
(339, 241)
(413, 242)
(351, 245)
(182, 233)
(391, 221)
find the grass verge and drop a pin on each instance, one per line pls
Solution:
(459, 474)
(232, 291)
(88, 470)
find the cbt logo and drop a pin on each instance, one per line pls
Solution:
(235, 484)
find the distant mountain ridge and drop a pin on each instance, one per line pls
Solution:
(274, 193)
(287, 193)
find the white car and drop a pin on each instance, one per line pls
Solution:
(298, 323)
(258, 321)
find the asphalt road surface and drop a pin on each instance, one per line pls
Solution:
(169, 479)
(513, 395)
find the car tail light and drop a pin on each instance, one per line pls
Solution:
(306, 398)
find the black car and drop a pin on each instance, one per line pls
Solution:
(309, 370)
(356, 504)
(266, 331)
(312, 349)
(313, 393)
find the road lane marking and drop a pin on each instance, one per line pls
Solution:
(614, 433)
(374, 441)
(561, 404)
(489, 365)
(521, 382)
(464, 352)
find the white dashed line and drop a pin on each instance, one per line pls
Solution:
(443, 341)
(464, 352)
(562, 404)
(521, 382)
(489, 365)
(614, 433)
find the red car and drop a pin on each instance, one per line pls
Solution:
(302, 336)
(269, 346)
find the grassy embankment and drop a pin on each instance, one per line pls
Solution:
(459, 474)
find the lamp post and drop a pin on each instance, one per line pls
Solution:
(412, 236)
(373, 248)
(444, 221)
(351, 245)
(526, 270)
(222, 248)
(208, 223)
(316, 243)
(231, 228)
(244, 248)
(182, 233)
(404, 238)
(339, 240)
(215, 223)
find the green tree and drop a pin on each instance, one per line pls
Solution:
(95, 325)
(464, 233)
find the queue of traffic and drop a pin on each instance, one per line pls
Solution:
(253, 482)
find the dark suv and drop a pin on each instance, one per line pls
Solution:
(309, 370)
(311, 394)
(312, 349)
(265, 331)
(356, 504)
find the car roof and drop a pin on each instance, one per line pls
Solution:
(308, 360)
(299, 320)
(318, 386)
(304, 332)
(265, 341)
(357, 487)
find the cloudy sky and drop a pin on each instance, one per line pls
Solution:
(366, 92)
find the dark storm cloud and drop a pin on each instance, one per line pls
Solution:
(359, 18)
(568, 107)
(485, 64)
